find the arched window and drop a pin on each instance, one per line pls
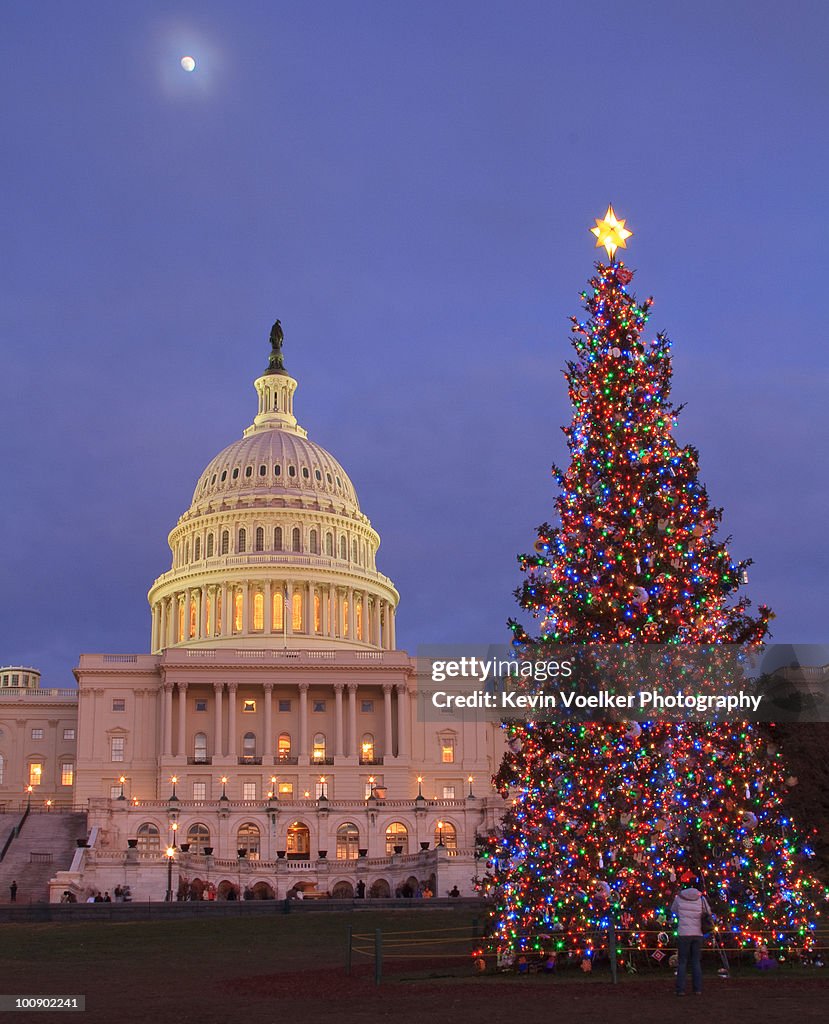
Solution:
(296, 613)
(296, 539)
(194, 610)
(314, 543)
(249, 745)
(198, 836)
(319, 747)
(329, 544)
(200, 748)
(277, 538)
(446, 832)
(358, 616)
(345, 617)
(397, 835)
(247, 840)
(243, 540)
(197, 549)
(317, 613)
(298, 842)
(367, 749)
(259, 542)
(354, 551)
(225, 542)
(278, 611)
(148, 836)
(348, 841)
(186, 551)
(180, 623)
(283, 746)
(258, 610)
(209, 552)
(343, 549)
(238, 608)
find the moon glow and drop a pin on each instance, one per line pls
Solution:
(188, 63)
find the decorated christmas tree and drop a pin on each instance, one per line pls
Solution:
(608, 820)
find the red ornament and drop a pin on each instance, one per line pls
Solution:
(624, 276)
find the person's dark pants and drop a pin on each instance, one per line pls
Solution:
(690, 948)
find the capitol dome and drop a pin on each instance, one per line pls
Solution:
(274, 549)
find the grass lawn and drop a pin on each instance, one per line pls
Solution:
(291, 968)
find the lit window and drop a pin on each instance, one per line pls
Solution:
(319, 747)
(284, 705)
(248, 705)
(447, 833)
(35, 773)
(283, 747)
(119, 704)
(285, 790)
(247, 840)
(199, 795)
(367, 707)
(67, 774)
(397, 835)
(258, 610)
(317, 614)
(238, 605)
(448, 792)
(447, 750)
(37, 734)
(345, 617)
(116, 748)
(208, 615)
(278, 611)
(358, 614)
(198, 835)
(148, 836)
(319, 705)
(180, 623)
(249, 791)
(193, 616)
(367, 748)
(200, 748)
(298, 840)
(296, 612)
(348, 841)
(322, 789)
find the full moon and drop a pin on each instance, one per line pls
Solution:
(188, 63)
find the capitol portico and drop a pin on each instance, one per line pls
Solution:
(274, 739)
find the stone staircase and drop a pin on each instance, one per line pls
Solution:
(46, 844)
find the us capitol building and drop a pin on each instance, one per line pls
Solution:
(274, 739)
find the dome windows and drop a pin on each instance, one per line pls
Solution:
(317, 474)
(235, 473)
(248, 472)
(306, 475)
(224, 475)
(263, 470)
(291, 471)
(277, 470)
(213, 480)
(328, 478)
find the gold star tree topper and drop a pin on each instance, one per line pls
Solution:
(611, 233)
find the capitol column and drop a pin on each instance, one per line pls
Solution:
(231, 720)
(163, 640)
(353, 750)
(218, 747)
(303, 721)
(403, 714)
(351, 616)
(375, 622)
(182, 709)
(167, 718)
(225, 614)
(267, 621)
(268, 754)
(387, 739)
(188, 600)
(156, 629)
(338, 708)
(289, 609)
(365, 632)
(332, 611)
(392, 636)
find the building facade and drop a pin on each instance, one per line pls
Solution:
(272, 740)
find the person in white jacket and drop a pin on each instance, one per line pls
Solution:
(688, 907)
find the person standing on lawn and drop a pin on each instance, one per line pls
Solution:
(688, 906)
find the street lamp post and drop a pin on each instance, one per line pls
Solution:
(169, 853)
(440, 833)
(122, 780)
(471, 794)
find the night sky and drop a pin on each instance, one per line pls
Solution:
(409, 188)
